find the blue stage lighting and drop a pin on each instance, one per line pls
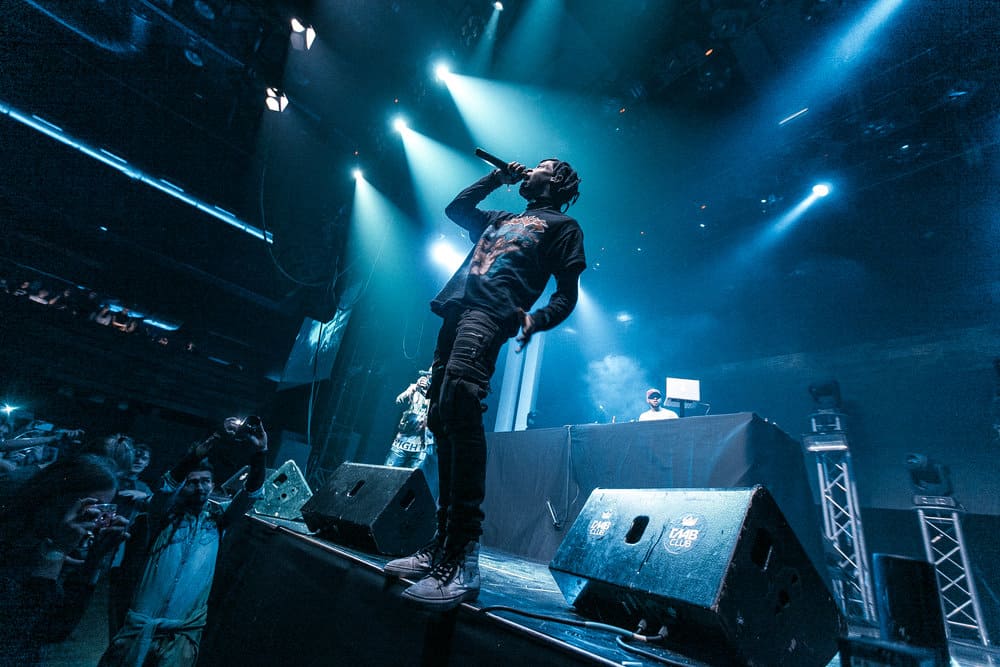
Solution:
(7, 409)
(302, 35)
(130, 170)
(797, 114)
(399, 124)
(498, 6)
(866, 28)
(441, 71)
(444, 255)
(624, 317)
(821, 189)
(276, 100)
(357, 174)
(164, 324)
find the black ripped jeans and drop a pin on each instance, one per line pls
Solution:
(464, 362)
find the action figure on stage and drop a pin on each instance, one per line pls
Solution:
(413, 446)
(656, 411)
(485, 303)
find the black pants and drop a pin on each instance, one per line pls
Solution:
(464, 361)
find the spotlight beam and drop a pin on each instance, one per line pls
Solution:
(438, 172)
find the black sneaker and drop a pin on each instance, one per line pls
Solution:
(452, 581)
(419, 564)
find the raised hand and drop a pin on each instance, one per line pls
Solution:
(514, 173)
(259, 442)
(202, 449)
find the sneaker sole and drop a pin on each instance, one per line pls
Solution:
(441, 605)
(407, 573)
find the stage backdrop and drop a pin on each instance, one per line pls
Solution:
(537, 481)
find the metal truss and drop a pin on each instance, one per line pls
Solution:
(842, 529)
(944, 543)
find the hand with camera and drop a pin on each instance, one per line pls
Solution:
(110, 530)
(77, 525)
(88, 523)
(249, 429)
(258, 440)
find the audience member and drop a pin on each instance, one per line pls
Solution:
(118, 448)
(103, 316)
(55, 511)
(164, 623)
(133, 498)
(30, 450)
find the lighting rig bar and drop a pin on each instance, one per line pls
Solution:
(110, 159)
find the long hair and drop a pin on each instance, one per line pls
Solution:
(118, 449)
(34, 509)
(568, 189)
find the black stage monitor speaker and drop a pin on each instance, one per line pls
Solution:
(376, 509)
(721, 568)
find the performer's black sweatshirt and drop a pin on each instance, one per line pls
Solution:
(513, 257)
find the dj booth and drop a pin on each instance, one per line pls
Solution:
(537, 481)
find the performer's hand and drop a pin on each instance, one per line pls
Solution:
(527, 328)
(514, 173)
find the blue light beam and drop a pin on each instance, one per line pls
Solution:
(438, 173)
(120, 164)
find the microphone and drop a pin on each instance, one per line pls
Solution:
(494, 160)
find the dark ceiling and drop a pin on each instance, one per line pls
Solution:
(687, 163)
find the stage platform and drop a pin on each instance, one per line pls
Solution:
(285, 597)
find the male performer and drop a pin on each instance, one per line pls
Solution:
(656, 411)
(483, 305)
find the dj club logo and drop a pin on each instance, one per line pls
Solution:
(600, 527)
(684, 532)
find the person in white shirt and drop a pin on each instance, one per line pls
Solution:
(653, 398)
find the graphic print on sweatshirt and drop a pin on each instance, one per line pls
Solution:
(512, 235)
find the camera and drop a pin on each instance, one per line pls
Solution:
(251, 426)
(108, 512)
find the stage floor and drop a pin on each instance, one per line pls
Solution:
(335, 601)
